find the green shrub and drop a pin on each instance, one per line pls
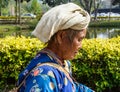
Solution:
(98, 64)
(13, 17)
(15, 54)
(9, 27)
(7, 17)
(104, 23)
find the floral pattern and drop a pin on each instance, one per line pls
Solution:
(48, 79)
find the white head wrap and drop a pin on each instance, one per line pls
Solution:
(61, 17)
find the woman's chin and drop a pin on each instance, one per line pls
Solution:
(72, 57)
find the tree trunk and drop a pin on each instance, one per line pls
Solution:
(110, 8)
(0, 11)
(19, 12)
(86, 4)
(0, 7)
(96, 6)
(95, 11)
(16, 9)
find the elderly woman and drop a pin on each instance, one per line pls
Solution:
(63, 29)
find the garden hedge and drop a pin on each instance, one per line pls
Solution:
(15, 54)
(97, 64)
(105, 23)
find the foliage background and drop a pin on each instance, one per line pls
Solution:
(97, 65)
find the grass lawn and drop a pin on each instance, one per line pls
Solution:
(9, 27)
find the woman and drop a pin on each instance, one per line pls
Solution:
(63, 29)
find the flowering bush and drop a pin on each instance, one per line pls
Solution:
(97, 64)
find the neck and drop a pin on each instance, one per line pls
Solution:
(56, 53)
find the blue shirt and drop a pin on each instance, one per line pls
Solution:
(47, 78)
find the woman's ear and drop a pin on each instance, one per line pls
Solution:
(61, 36)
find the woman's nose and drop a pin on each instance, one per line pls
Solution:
(80, 46)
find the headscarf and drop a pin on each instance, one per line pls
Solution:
(59, 18)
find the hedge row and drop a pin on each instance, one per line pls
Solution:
(15, 54)
(104, 23)
(13, 17)
(97, 65)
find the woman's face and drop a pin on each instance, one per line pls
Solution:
(71, 49)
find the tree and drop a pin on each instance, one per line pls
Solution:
(91, 5)
(34, 7)
(53, 3)
(3, 3)
(87, 5)
(96, 7)
(18, 6)
(22, 0)
(115, 2)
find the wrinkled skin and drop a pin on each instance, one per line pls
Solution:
(64, 48)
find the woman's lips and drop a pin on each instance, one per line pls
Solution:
(76, 52)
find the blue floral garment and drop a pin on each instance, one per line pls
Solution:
(48, 79)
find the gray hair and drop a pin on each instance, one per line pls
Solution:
(70, 35)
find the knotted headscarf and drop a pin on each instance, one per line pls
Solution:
(59, 18)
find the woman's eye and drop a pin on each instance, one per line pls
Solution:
(79, 39)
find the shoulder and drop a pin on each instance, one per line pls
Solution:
(49, 69)
(46, 77)
(39, 58)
